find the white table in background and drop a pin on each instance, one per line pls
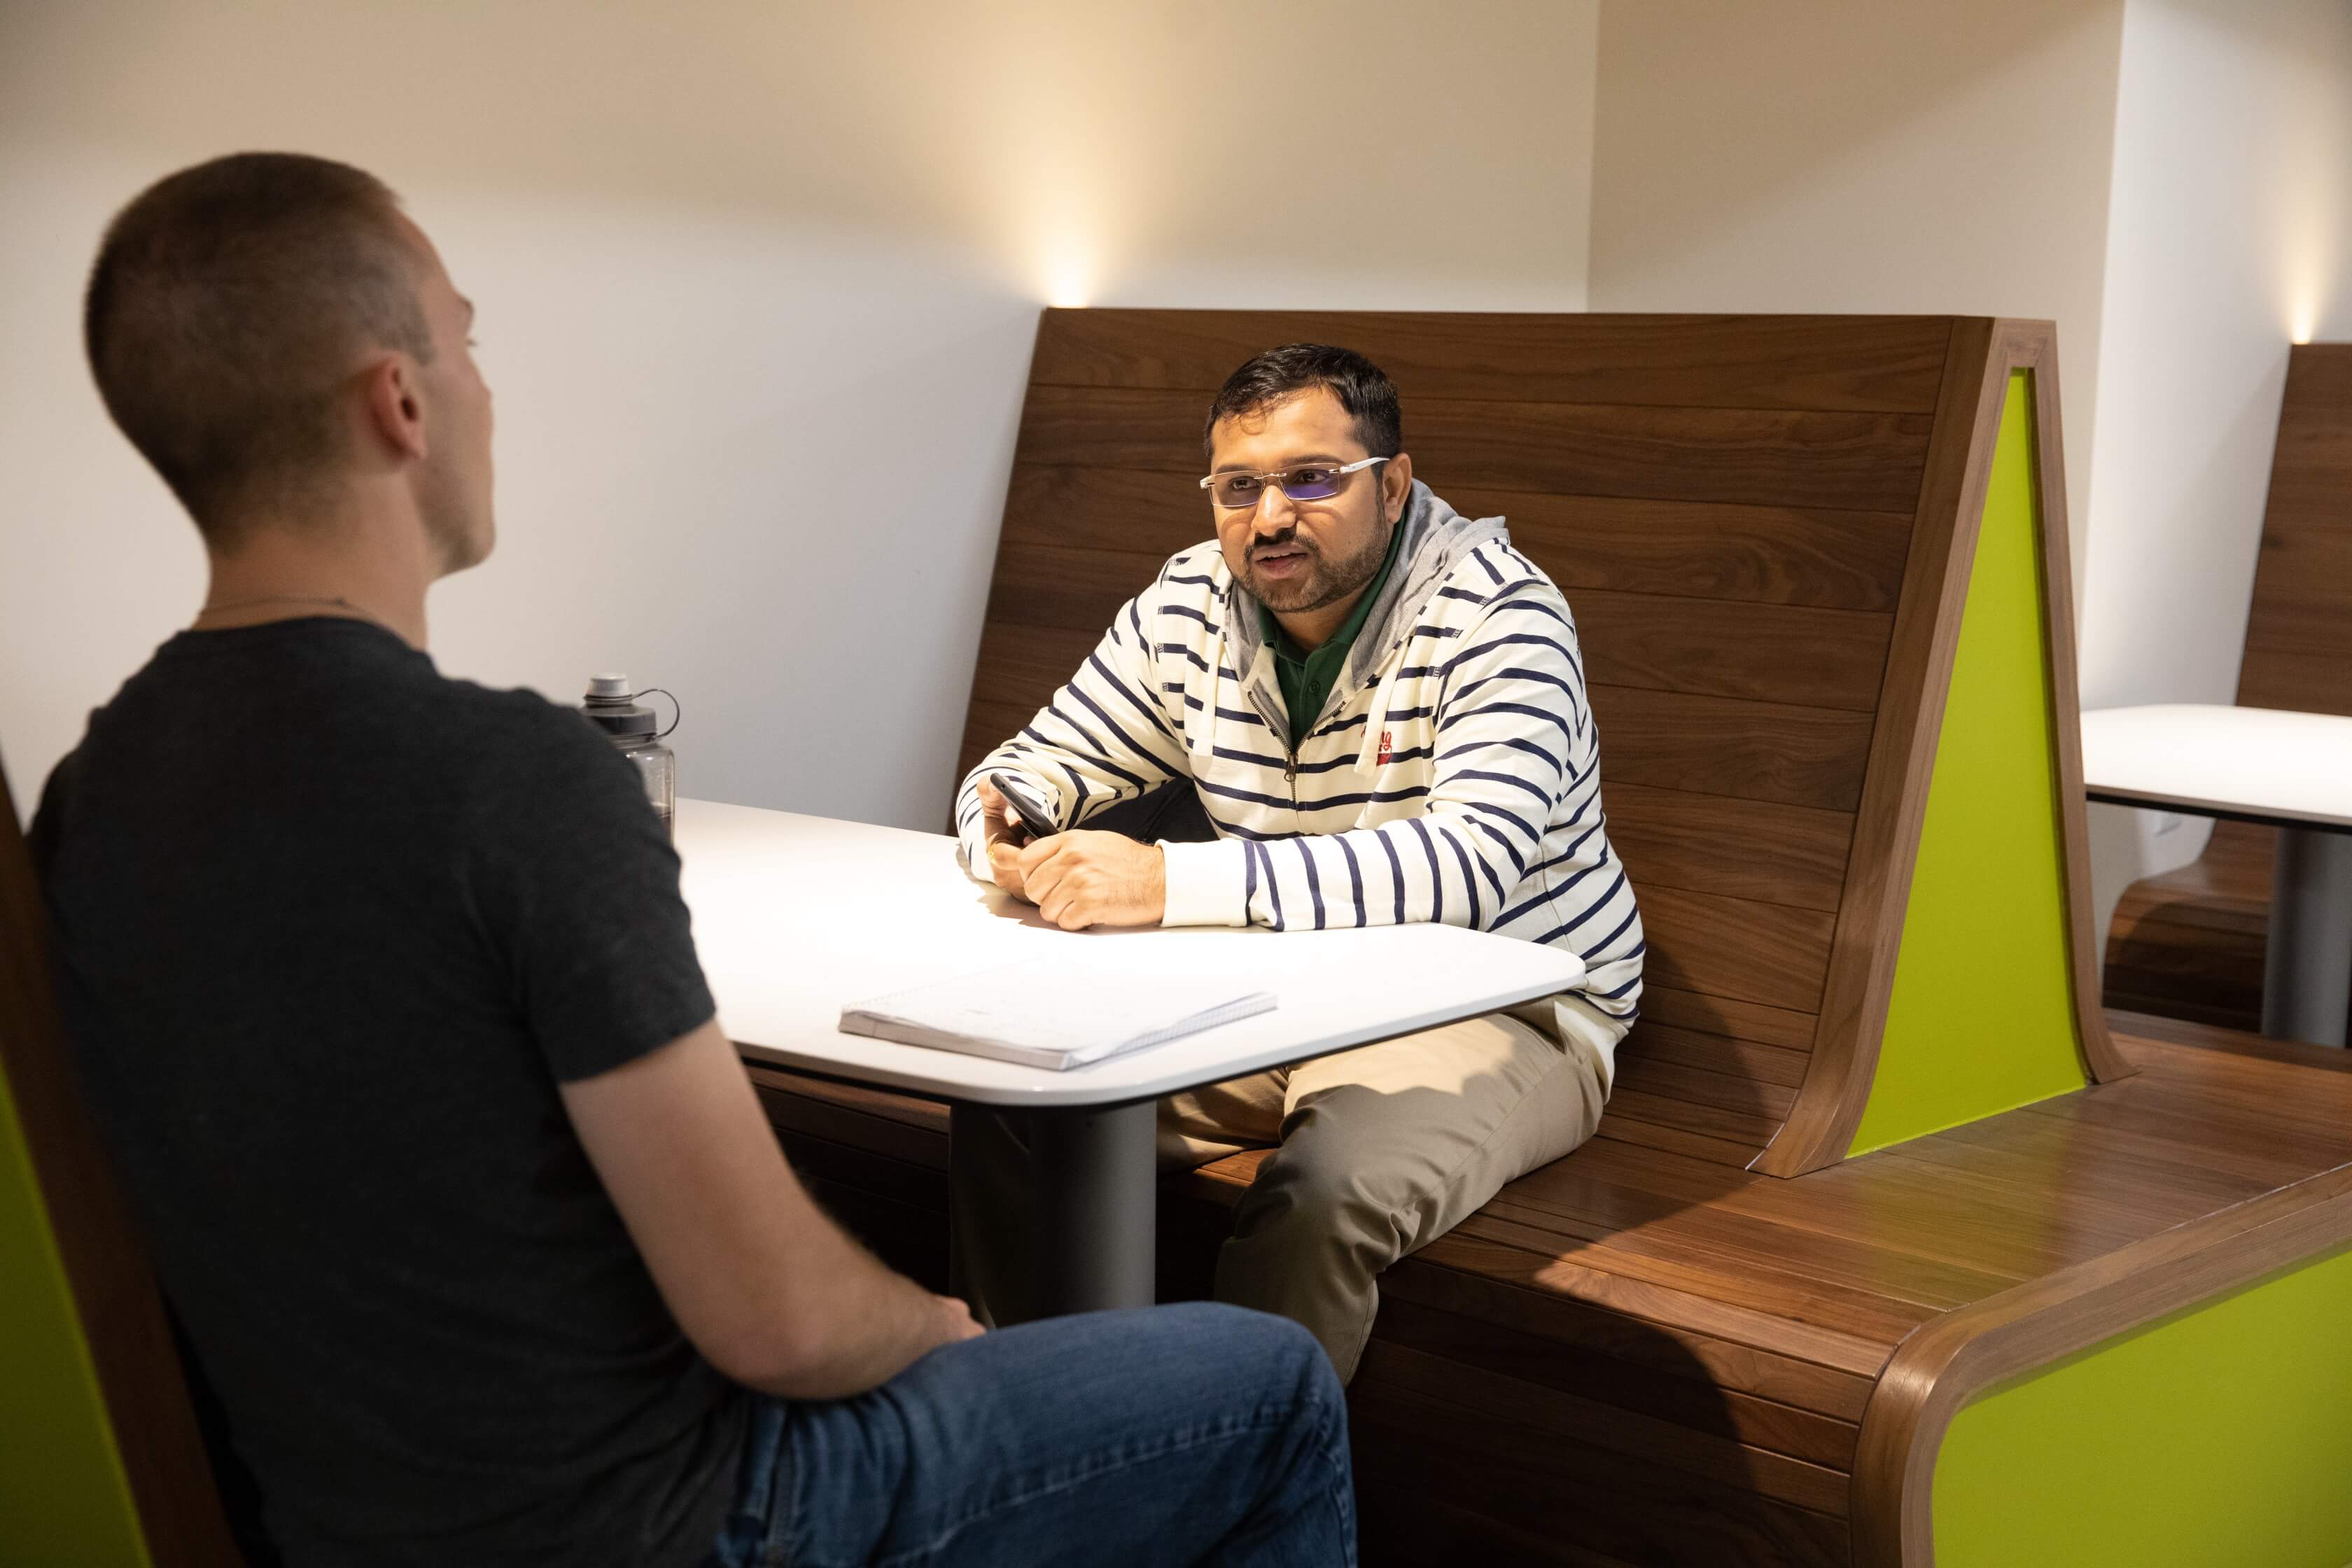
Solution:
(795, 916)
(2289, 771)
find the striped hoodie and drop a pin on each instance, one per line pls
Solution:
(1451, 776)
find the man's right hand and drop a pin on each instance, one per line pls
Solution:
(956, 1323)
(1005, 838)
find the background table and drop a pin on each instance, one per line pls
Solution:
(796, 916)
(2291, 771)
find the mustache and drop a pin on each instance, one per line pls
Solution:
(1287, 540)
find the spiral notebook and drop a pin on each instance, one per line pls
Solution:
(1044, 1013)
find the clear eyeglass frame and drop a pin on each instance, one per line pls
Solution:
(1289, 481)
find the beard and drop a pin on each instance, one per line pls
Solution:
(1325, 581)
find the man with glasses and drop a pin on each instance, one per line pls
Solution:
(1379, 705)
(382, 993)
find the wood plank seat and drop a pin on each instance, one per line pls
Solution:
(2188, 944)
(1875, 1176)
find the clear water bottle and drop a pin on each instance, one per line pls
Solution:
(613, 708)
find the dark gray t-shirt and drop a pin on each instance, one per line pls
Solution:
(331, 929)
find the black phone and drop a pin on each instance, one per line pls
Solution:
(1033, 816)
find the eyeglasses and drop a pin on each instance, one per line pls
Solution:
(1308, 481)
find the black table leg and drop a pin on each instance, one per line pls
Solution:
(2307, 969)
(1088, 1232)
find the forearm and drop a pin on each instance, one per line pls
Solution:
(762, 1282)
(857, 1325)
(1102, 739)
(1435, 868)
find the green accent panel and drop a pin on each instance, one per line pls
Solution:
(64, 1497)
(2219, 1437)
(1982, 1015)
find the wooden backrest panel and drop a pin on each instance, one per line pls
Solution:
(2299, 634)
(1730, 504)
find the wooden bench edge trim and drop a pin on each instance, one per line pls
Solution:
(1861, 978)
(142, 1387)
(2033, 346)
(1944, 1364)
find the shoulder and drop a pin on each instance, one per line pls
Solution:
(1195, 572)
(1192, 586)
(1494, 580)
(517, 744)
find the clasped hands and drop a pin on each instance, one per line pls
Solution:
(1077, 879)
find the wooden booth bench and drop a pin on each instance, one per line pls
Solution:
(2189, 943)
(1886, 1250)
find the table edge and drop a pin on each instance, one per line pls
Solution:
(1072, 1090)
(2221, 811)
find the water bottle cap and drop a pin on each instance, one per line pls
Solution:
(612, 706)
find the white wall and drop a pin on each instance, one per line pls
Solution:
(757, 284)
(2230, 235)
(1854, 155)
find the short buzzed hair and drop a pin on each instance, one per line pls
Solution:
(227, 307)
(1278, 375)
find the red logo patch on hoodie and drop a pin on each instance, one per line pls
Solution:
(1387, 752)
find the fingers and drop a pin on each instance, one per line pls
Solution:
(999, 822)
(1005, 865)
(1041, 867)
(1067, 887)
(1053, 872)
(956, 1321)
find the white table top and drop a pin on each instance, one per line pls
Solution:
(2262, 763)
(795, 916)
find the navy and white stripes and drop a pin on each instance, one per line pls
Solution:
(1451, 777)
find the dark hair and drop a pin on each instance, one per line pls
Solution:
(226, 306)
(1279, 374)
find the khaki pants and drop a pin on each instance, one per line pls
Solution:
(1380, 1151)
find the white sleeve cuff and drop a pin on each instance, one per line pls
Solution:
(1207, 884)
(971, 839)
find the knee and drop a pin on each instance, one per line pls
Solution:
(1275, 1356)
(1317, 1187)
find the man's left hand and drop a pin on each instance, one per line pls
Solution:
(1080, 879)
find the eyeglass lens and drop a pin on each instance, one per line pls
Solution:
(1312, 483)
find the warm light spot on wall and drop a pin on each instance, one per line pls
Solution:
(2306, 320)
(1069, 275)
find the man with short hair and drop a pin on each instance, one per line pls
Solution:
(383, 993)
(1379, 704)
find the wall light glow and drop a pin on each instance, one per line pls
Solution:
(2303, 320)
(1069, 273)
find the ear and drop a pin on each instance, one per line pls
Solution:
(395, 407)
(1396, 486)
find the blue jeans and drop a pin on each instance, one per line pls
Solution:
(1193, 1434)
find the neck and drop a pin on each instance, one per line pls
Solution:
(279, 571)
